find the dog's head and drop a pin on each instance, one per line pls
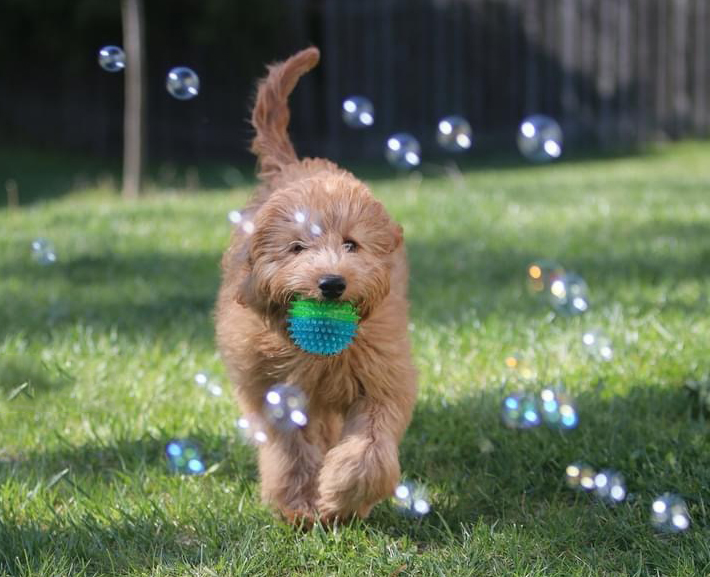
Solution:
(323, 237)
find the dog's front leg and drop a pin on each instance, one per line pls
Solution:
(363, 468)
(289, 467)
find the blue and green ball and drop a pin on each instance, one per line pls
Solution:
(322, 327)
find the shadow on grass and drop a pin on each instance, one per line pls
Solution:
(155, 292)
(147, 294)
(23, 377)
(477, 470)
(42, 176)
(104, 461)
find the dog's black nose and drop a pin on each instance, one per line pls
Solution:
(331, 286)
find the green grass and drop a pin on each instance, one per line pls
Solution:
(110, 337)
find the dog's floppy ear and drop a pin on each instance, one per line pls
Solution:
(397, 236)
(245, 294)
(237, 264)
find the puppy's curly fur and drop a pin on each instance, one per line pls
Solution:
(310, 218)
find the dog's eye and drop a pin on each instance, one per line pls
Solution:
(350, 246)
(297, 247)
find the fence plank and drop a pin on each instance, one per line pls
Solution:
(614, 70)
(569, 58)
(661, 63)
(588, 65)
(331, 66)
(627, 134)
(700, 104)
(532, 47)
(681, 99)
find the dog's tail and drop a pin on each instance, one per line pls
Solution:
(270, 116)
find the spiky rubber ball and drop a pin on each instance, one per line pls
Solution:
(322, 327)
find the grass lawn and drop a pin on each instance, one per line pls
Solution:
(110, 337)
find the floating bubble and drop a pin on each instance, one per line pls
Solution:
(251, 431)
(358, 112)
(520, 411)
(669, 514)
(454, 134)
(540, 138)
(183, 83)
(308, 222)
(235, 217)
(541, 274)
(285, 406)
(112, 59)
(403, 150)
(411, 499)
(558, 409)
(597, 345)
(206, 381)
(520, 367)
(569, 294)
(580, 476)
(184, 457)
(242, 220)
(43, 251)
(609, 486)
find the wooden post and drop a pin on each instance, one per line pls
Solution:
(134, 105)
(13, 194)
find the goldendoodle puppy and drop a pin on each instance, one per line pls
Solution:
(316, 232)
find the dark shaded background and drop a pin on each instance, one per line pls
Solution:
(614, 72)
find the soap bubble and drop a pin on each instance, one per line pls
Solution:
(569, 294)
(519, 367)
(112, 59)
(597, 345)
(403, 150)
(358, 112)
(540, 138)
(241, 219)
(558, 409)
(520, 411)
(43, 251)
(251, 431)
(205, 381)
(411, 499)
(454, 134)
(580, 476)
(308, 222)
(541, 275)
(285, 406)
(669, 514)
(183, 83)
(184, 457)
(609, 485)
(235, 217)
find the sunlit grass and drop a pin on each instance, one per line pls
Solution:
(110, 337)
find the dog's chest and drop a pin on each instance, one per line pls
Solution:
(331, 380)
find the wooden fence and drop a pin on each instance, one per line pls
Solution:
(613, 72)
